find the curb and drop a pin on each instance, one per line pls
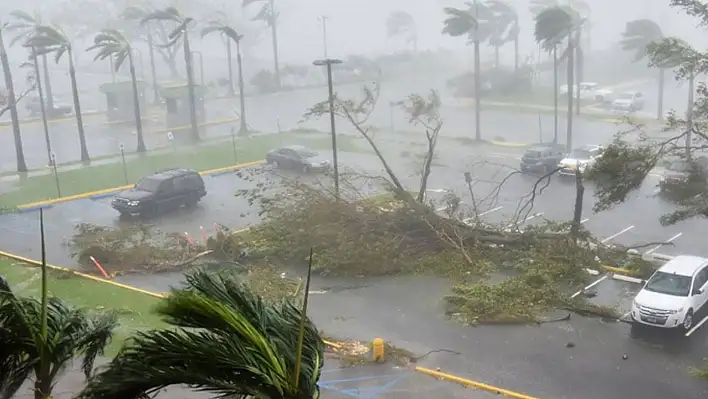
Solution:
(49, 121)
(509, 144)
(109, 282)
(472, 384)
(34, 206)
(620, 270)
(187, 127)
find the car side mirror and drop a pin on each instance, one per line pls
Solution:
(697, 291)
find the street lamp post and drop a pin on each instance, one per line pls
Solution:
(329, 62)
(323, 19)
(201, 66)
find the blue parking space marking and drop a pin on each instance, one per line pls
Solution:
(383, 383)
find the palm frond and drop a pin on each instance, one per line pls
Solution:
(399, 22)
(670, 52)
(167, 14)
(136, 13)
(552, 25)
(26, 17)
(225, 30)
(459, 22)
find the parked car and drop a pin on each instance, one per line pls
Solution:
(685, 174)
(582, 158)
(589, 91)
(542, 158)
(628, 101)
(161, 192)
(299, 158)
(59, 108)
(673, 294)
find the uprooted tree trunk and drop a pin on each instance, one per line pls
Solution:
(578, 207)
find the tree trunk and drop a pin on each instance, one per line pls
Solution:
(155, 91)
(689, 114)
(570, 67)
(578, 207)
(243, 129)
(42, 107)
(660, 109)
(555, 95)
(477, 94)
(578, 71)
(428, 164)
(190, 87)
(136, 104)
(274, 34)
(77, 108)
(47, 82)
(516, 53)
(43, 387)
(9, 85)
(230, 67)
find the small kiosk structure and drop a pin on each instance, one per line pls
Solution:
(176, 99)
(119, 100)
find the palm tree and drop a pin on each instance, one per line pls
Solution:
(228, 342)
(53, 39)
(44, 336)
(135, 13)
(110, 43)
(269, 15)
(230, 35)
(636, 37)
(553, 26)
(402, 23)
(12, 103)
(181, 31)
(216, 25)
(468, 23)
(505, 28)
(24, 27)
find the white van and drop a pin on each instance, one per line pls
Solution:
(673, 294)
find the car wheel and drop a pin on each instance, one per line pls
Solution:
(148, 212)
(688, 320)
(192, 201)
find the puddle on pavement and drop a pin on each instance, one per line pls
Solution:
(615, 293)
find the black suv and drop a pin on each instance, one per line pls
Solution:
(163, 191)
(542, 158)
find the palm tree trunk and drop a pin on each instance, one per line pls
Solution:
(516, 54)
(136, 104)
(570, 75)
(12, 102)
(555, 95)
(47, 82)
(243, 129)
(230, 67)
(42, 108)
(43, 386)
(190, 88)
(578, 71)
(155, 91)
(274, 34)
(496, 57)
(477, 94)
(660, 110)
(77, 108)
(689, 114)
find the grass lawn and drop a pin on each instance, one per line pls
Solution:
(99, 177)
(134, 309)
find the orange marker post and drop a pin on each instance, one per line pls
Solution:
(100, 268)
(204, 234)
(189, 240)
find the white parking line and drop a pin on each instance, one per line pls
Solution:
(617, 234)
(651, 251)
(598, 281)
(696, 327)
(583, 221)
(487, 212)
(624, 316)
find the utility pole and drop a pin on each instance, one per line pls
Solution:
(328, 62)
(477, 88)
(323, 19)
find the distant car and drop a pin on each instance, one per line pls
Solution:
(160, 192)
(681, 172)
(60, 108)
(628, 101)
(299, 158)
(589, 91)
(542, 158)
(581, 158)
(673, 294)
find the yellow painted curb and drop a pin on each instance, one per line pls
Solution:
(121, 188)
(472, 384)
(620, 270)
(508, 144)
(109, 282)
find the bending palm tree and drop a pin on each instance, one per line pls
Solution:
(468, 23)
(552, 26)
(12, 103)
(402, 23)
(636, 37)
(505, 28)
(269, 15)
(134, 13)
(52, 39)
(44, 336)
(112, 44)
(229, 343)
(231, 35)
(181, 31)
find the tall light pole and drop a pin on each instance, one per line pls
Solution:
(328, 62)
(201, 65)
(243, 129)
(323, 19)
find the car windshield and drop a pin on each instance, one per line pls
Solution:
(669, 284)
(533, 154)
(150, 185)
(579, 154)
(625, 96)
(678, 166)
(305, 152)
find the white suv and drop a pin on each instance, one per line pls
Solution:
(673, 294)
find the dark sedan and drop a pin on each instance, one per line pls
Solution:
(297, 158)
